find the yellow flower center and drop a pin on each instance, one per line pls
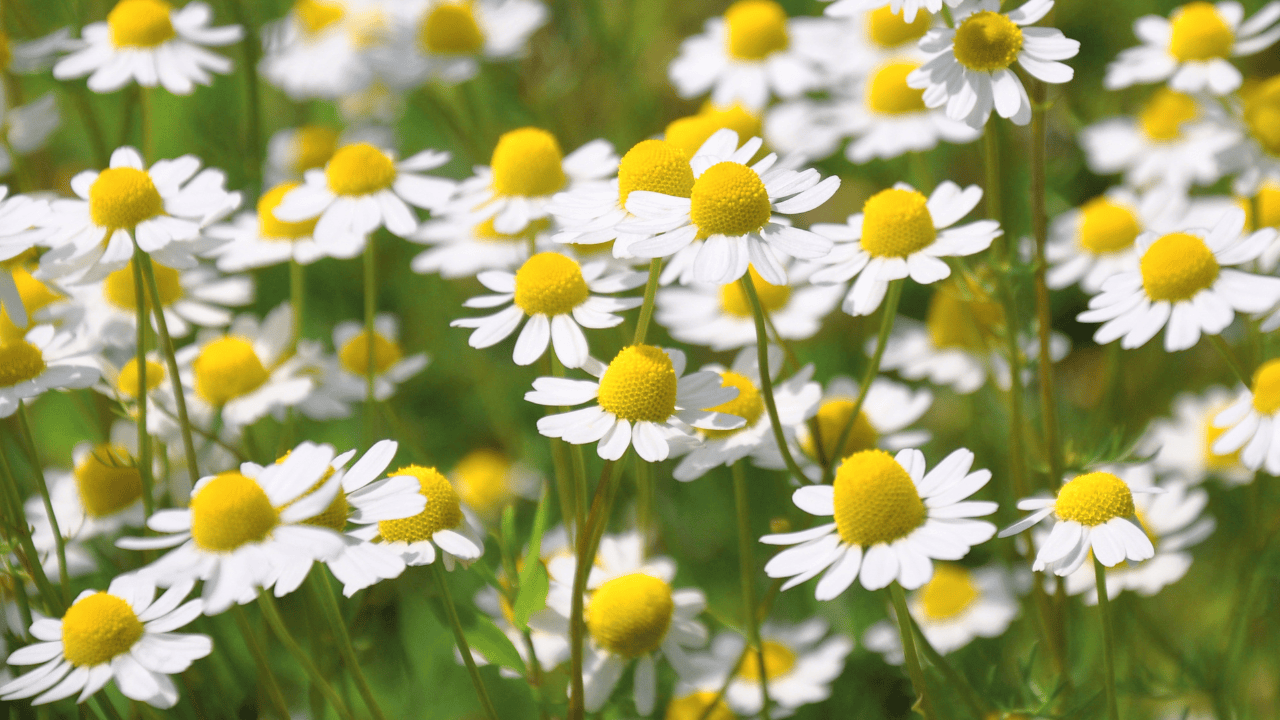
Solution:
(313, 146)
(481, 480)
(832, 416)
(98, 628)
(354, 355)
(1165, 113)
(334, 516)
(639, 385)
(120, 198)
(896, 223)
(6, 51)
(749, 404)
(656, 166)
(443, 511)
(108, 480)
(316, 15)
(528, 162)
(1107, 227)
(485, 231)
(1212, 460)
(1262, 115)
(35, 297)
(231, 511)
(955, 321)
(688, 133)
(1199, 32)
(21, 361)
(987, 41)
(1094, 498)
(140, 23)
(778, 661)
(1176, 267)
(887, 91)
(888, 29)
(127, 381)
(950, 592)
(772, 297)
(1268, 200)
(875, 500)
(694, 707)
(1266, 387)
(118, 287)
(359, 169)
(755, 29)
(729, 199)
(272, 227)
(630, 615)
(550, 284)
(451, 29)
(228, 368)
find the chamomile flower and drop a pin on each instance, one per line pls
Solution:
(1182, 446)
(751, 53)
(45, 359)
(487, 481)
(1255, 156)
(971, 72)
(1184, 280)
(27, 128)
(908, 8)
(21, 218)
(446, 40)
(690, 132)
(1250, 424)
(258, 238)
(896, 236)
(796, 399)
(1096, 240)
(883, 421)
(442, 525)
(124, 634)
(99, 496)
(698, 698)
(462, 245)
(151, 43)
(160, 209)
(1094, 511)
(41, 300)
(361, 189)
(321, 48)
(891, 520)
(731, 208)
(873, 32)
(293, 151)
(642, 397)
(243, 528)
(800, 663)
(1190, 49)
(390, 365)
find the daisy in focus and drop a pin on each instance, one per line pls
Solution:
(896, 236)
(124, 634)
(1250, 425)
(391, 367)
(446, 40)
(150, 43)
(44, 359)
(443, 526)
(892, 519)
(1190, 49)
(970, 71)
(259, 239)
(1091, 243)
(559, 296)
(800, 663)
(1183, 445)
(641, 398)
(1185, 280)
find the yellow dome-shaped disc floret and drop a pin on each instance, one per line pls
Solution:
(1162, 118)
(119, 289)
(987, 41)
(316, 15)
(20, 361)
(778, 661)
(272, 227)
(1107, 227)
(140, 23)
(630, 615)
(1199, 32)
(108, 480)
(688, 133)
(122, 197)
(127, 381)
(896, 223)
(354, 355)
(956, 321)
(832, 416)
(656, 166)
(97, 628)
(1267, 199)
(228, 368)
(359, 169)
(550, 284)
(875, 500)
(231, 511)
(950, 592)
(755, 29)
(889, 29)
(482, 480)
(443, 511)
(1094, 498)
(1176, 267)
(312, 146)
(451, 29)
(528, 162)
(888, 92)
(695, 707)
(1262, 115)
(1266, 387)
(749, 405)
(729, 199)
(772, 297)
(639, 385)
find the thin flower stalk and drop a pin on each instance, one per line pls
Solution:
(1108, 639)
(1044, 319)
(274, 696)
(333, 615)
(18, 523)
(461, 639)
(588, 541)
(269, 612)
(140, 392)
(38, 470)
(166, 346)
(370, 309)
(650, 292)
(766, 382)
(746, 564)
(923, 704)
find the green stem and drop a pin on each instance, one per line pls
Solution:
(991, 164)
(140, 392)
(650, 292)
(746, 566)
(644, 501)
(1108, 639)
(1236, 368)
(463, 647)
(274, 695)
(269, 612)
(38, 470)
(298, 299)
(333, 615)
(957, 681)
(923, 704)
(253, 134)
(766, 379)
(171, 359)
(1044, 319)
(13, 498)
(370, 308)
(93, 129)
(145, 116)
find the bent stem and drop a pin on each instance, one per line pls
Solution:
(588, 542)
(1108, 639)
(461, 639)
(140, 392)
(766, 379)
(923, 704)
(746, 563)
(260, 659)
(646, 309)
(333, 615)
(166, 346)
(272, 616)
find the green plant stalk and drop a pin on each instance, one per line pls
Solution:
(766, 381)
(578, 467)
(298, 299)
(37, 469)
(333, 615)
(991, 165)
(646, 309)
(1044, 319)
(746, 566)
(370, 308)
(252, 52)
(53, 605)
(274, 695)
(140, 357)
(882, 339)
(1108, 639)
(145, 117)
(923, 702)
(1232, 362)
(460, 638)
(957, 681)
(171, 359)
(269, 612)
(644, 501)
(588, 542)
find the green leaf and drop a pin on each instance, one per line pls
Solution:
(488, 640)
(534, 582)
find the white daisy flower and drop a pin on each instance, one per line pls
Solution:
(45, 359)
(559, 296)
(896, 236)
(487, 481)
(1185, 280)
(321, 48)
(891, 520)
(443, 524)
(751, 53)
(391, 367)
(527, 169)
(1183, 445)
(908, 8)
(642, 397)
(871, 33)
(1250, 423)
(244, 528)
(161, 209)
(293, 151)
(41, 300)
(1190, 49)
(259, 239)
(21, 228)
(27, 128)
(124, 634)
(690, 132)
(952, 609)
(1255, 156)
(796, 400)
(361, 189)
(799, 665)
(731, 208)
(463, 245)
(1094, 511)
(446, 40)
(970, 73)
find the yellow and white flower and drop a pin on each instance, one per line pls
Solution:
(442, 524)
(1182, 446)
(321, 49)
(1250, 424)
(872, 32)
(45, 359)
(22, 221)
(293, 151)
(463, 245)
(800, 664)
(1255, 155)
(1096, 240)
(258, 238)
(908, 8)
(390, 366)
(446, 40)
(487, 482)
